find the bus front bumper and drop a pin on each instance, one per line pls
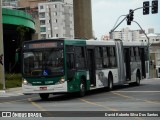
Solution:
(59, 88)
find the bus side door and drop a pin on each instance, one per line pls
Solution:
(91, 66)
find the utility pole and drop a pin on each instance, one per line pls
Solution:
(2, 71)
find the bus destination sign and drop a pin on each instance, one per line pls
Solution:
(42, 45)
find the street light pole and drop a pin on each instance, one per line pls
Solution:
(2, 71)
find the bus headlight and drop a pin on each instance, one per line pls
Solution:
(62, 80)
(25, 82)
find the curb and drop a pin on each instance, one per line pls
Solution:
(2, 91)
(11, 90)
(14, 89)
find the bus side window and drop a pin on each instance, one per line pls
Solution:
(99, 57)
(80, 58)
(137, 54)
(132, 53)
(109, 56)
(70, 61)
(112, 57)
(105, 58)
(70, 57)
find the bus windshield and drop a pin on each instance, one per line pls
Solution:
(45, 62)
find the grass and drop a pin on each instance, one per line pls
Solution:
(12, 80)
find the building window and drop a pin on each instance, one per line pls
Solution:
(42, 22)
(43, 29)
(55, 28)
(55, 21)
(55, 13)
(41, 7)
(42, 15)
(49, 35)
(56, 35)
(43, 36)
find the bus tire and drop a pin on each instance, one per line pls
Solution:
(138, 79)
(110, 83)
(44, 96)
(82, 91)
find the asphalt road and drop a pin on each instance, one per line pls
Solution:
(145, 97)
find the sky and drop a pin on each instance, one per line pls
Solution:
(106, 12)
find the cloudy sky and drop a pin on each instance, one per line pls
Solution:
(106, 12)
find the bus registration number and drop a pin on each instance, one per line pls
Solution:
(43, 88)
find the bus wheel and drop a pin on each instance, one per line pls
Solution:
(110, 83)
(44, 96)
(82, 89)
(138, 80)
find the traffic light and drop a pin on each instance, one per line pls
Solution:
(154, 6)
(131, 14)
(145, 7)
(130, 17)
(128, 20)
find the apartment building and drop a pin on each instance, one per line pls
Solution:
(56, 19)
(127, 35)
(10, 3)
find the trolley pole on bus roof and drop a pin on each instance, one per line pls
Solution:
(2, 71)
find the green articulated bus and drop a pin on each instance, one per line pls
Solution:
(52, 66)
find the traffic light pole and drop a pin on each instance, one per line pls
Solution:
(111, 32)
(145, 5)
(2, 71)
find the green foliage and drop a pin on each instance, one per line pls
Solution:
(22, 30)
(12, 80)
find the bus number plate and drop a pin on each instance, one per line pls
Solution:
(43, 88)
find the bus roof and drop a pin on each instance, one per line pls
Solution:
(72, 41)
(97, 42)
(135, 43)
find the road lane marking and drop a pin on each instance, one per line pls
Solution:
(129, 97)
(36, 105)
(140, 91)
(108, 108)
(96, 104)
(125, 96)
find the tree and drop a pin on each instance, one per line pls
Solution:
(22, 30)
(21, 33)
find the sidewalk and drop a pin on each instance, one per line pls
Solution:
(17, 90)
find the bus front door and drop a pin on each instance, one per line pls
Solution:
(91, 66)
